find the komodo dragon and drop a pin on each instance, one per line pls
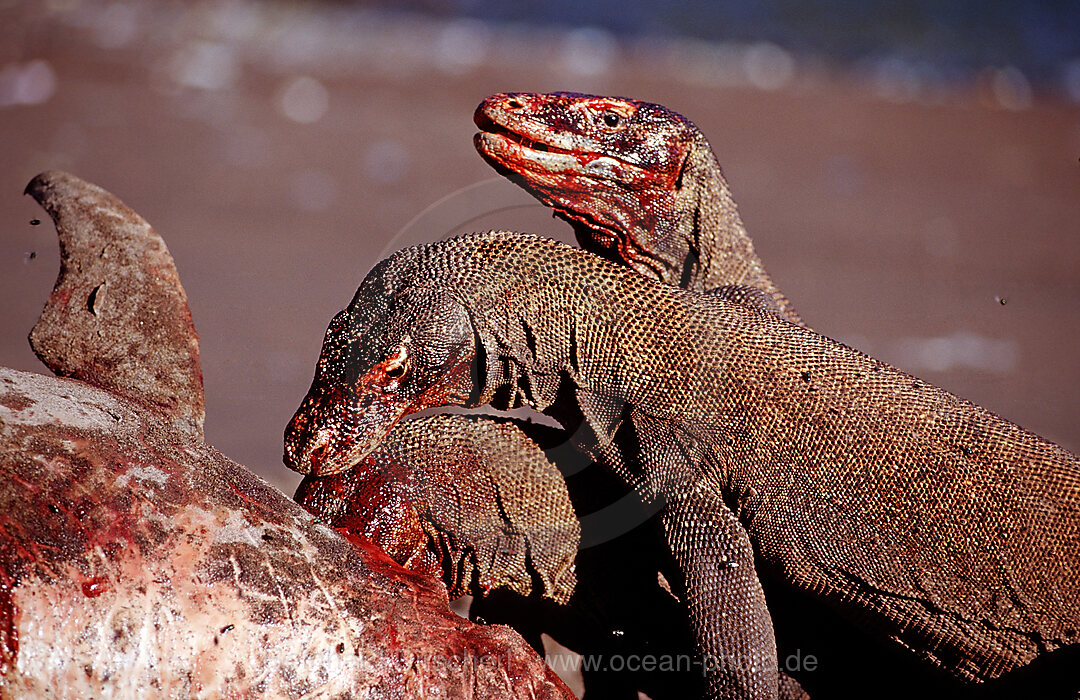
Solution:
(780, 457)
(638, 183)
(472, 540)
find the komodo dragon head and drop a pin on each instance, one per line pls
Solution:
(402, 345)
(639, 184)
(614, 168)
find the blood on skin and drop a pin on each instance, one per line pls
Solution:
(93, 587)
(9, 632)
(379, 513)
(607, 206)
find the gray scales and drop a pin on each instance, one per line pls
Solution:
(697, 158)
(780, 456)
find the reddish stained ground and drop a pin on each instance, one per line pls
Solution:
(888, 225)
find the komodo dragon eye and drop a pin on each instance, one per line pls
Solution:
(397, 364)
(612, 119)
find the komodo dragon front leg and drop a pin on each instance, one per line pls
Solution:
(477, 502)
(468, 499)
(810, 445)
(717, 561)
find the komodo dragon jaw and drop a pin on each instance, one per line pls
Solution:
(520, 128)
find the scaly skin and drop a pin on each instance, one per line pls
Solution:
(476, 502)
(362, 500)
(449, 496)
(638, 183)
(781, 457)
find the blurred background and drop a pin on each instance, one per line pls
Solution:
(909, 173)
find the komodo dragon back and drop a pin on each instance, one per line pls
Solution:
(908, 510)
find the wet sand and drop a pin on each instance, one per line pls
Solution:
(278, 160)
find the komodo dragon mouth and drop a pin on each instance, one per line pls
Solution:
(532, 146)
(491, 128)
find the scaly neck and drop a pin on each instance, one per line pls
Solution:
(706, 220)
(558, 327)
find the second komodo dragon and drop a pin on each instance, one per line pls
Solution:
(780, 457)
(638, 183)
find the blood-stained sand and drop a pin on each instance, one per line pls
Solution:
(280, 154)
